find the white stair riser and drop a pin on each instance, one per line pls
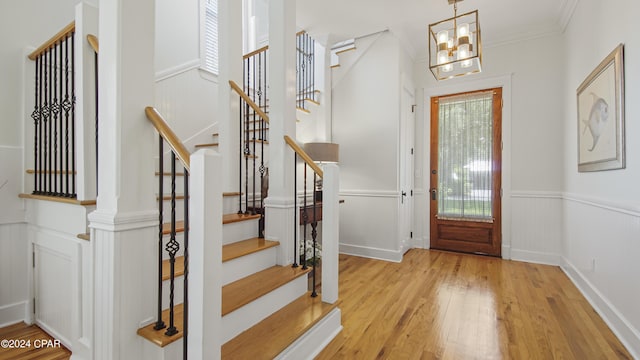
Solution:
(239, 231)
(239, 268)
(245, 317)
(315, 339)
(151, 351)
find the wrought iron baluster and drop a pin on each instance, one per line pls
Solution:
(73, 118)
(305, 220)
(159, 323)
(240, 157)
(296, 225)
(172, 248)
(66, 105)
(95, 75)
(35, 115)
(314, 234)
(186, 265)
(50, 136)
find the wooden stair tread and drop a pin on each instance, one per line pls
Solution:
(246, 247)
(207, 145)
(169, 174)
(168, 197)
(266, 142)
(157, 336)
(271, 336)
(226, 219)
(312, 101)
(231, 218)
(231, 193)
(86, 236)
(303, 110)
(243, 291)
(59, 199)
(166, 227)
(166, 268)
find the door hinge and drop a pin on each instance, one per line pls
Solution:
(411, 234)
(34, 305)
(33, 258)
(411, 151)
(413, 108)
(501, 192)
(411, 192)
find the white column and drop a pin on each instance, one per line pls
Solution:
(124, 225)
(205, 256)
(230, 68)
(330, 232)
(86, 23)
(282, 113)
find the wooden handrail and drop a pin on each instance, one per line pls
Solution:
(54, 40)
(295, 147)
(246, 98)
(168, 135)
(93, 41)
(300, 32)
(255, 52)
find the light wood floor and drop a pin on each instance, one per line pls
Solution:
(439, 305)
(37, 348)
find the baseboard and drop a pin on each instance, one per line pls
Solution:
(13, 313)
(534, 257)
(372, 253)
(506, 251)
(627, 335)
(317, 338)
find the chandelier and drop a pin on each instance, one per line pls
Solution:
(455, 47)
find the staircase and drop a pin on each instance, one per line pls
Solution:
(262, 309)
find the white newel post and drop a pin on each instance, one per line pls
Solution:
(205, 256)
(85, 142)
(330, 232)
(280, 204)
(124, 225)
(230, 68)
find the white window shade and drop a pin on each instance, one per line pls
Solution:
(210, 62)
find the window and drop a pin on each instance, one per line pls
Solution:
(210, 47)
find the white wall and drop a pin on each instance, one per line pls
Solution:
(25, 25)
(186, 96)
(601, 238)
(365, 121)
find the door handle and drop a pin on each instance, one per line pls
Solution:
(434, 193)
(404, 193)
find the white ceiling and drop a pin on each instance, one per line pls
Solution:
(501, 21)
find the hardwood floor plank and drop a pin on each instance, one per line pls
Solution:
(440, 305)
(36, 337)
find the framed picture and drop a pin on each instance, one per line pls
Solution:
(601, 116)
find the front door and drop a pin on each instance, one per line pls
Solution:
(466, 149)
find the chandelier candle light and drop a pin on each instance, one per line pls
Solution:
(455, 47)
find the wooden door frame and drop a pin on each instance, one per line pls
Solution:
(495, 229)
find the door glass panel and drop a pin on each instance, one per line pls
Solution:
(465, 148)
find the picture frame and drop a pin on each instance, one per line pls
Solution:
(600, 100)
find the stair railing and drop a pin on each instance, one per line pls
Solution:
(54, 116)
(253, 126)
(65, 93)
(178, 152)
(305, 70)
(309, 214)
(255, 82)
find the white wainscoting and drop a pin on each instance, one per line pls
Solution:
(11, 184)
(536, 227)
(369, 224)
(601, 247)
(14, 269)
